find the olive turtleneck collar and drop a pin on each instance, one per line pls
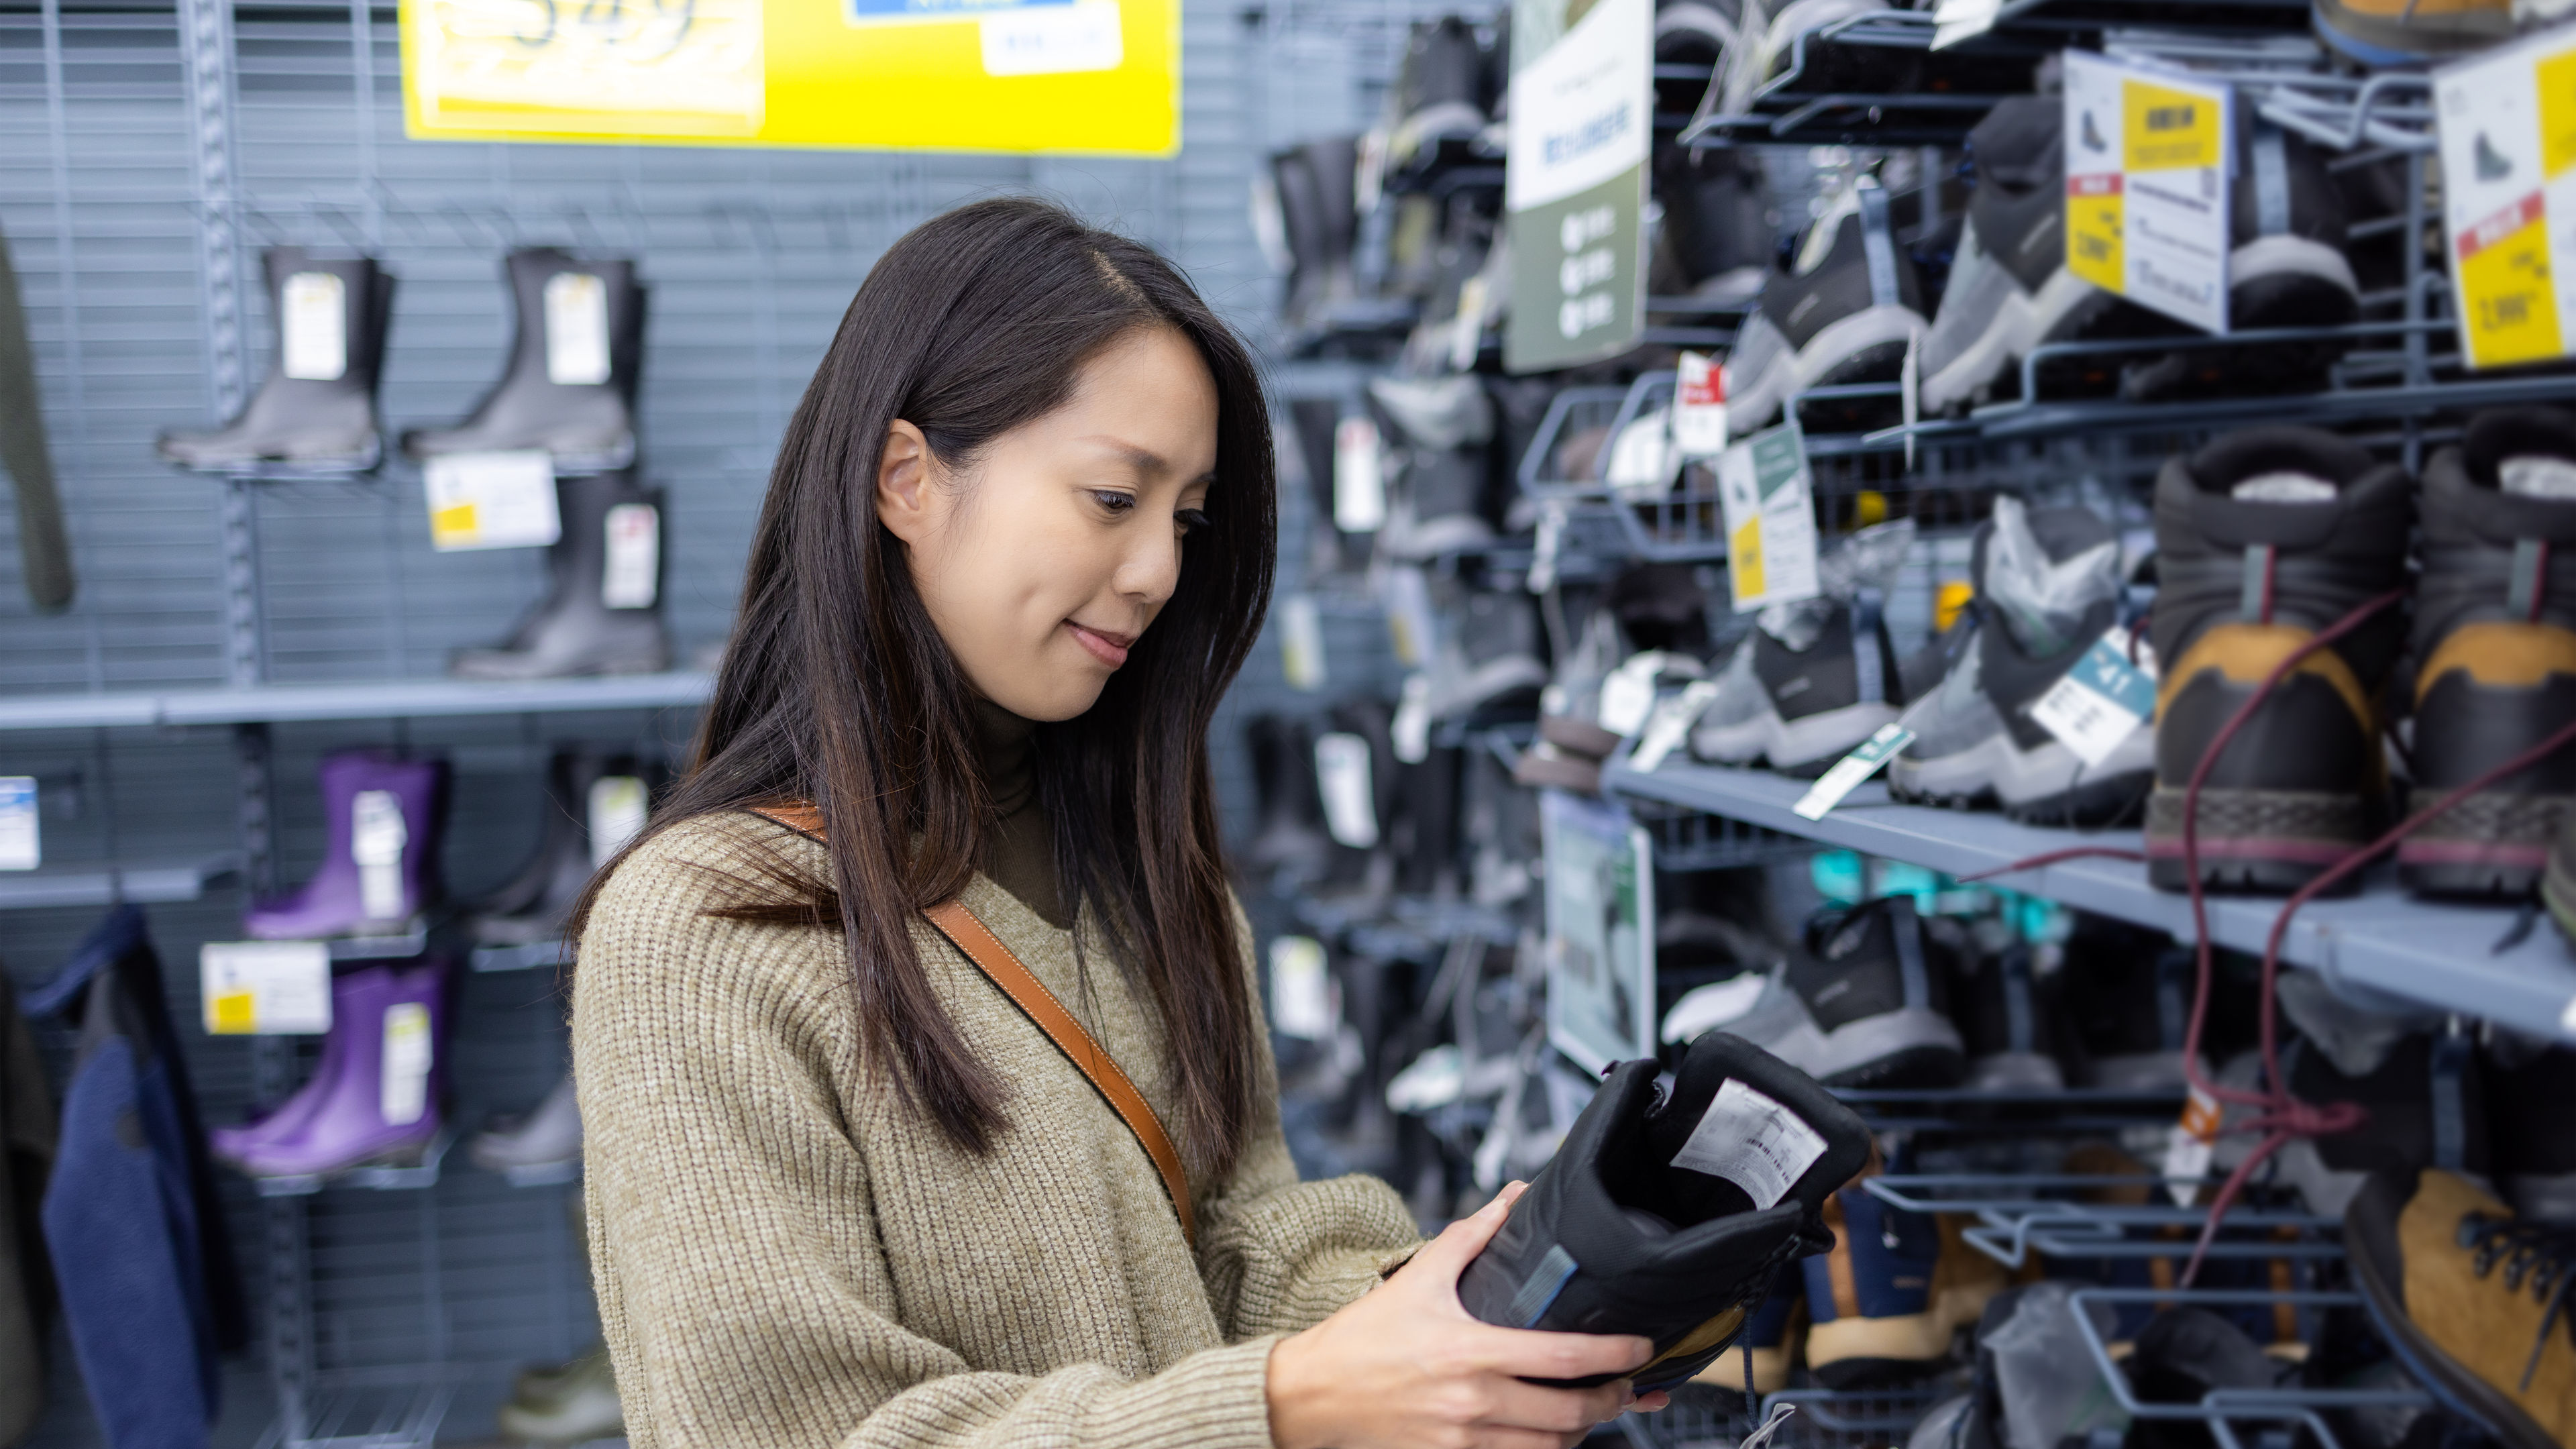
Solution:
(1019, 850)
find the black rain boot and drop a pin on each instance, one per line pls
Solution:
(603, 614)
(574, 364)
(532, 906)
(315, 415)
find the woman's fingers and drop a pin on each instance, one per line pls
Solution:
(1650, 1403)
(1446, 1256)
(1517, 1405)
(1530, 1354)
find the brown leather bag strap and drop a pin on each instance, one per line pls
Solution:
(969, 934)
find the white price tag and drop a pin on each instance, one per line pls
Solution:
(1549, 543)
(21, 845)
(1751, 1140)
(1412, 727)
(313, 335)
(1052, 39)
(1767, 495)
(377, 836)
(632, 578)
(1359, 478)
(2102, 700)
(2193, 1144)
(576, 329)
(616, 812)
(1629, 692)
(1301, 643)
(2509, 196)
(1699, 406)
(1644, 463)
(1851, 769)
(2146, 186)
(1301, 989)
(1350, 799)
(491, 500)
(404, 1086)
(270, 988)
(1957, 20)
(1670, 724)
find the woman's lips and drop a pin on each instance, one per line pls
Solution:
(1109, 649)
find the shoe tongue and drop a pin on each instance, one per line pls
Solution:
(2538, 475)
(2283, 486)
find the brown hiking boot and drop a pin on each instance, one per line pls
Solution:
(2475, 1301)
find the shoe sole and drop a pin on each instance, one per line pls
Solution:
(1867, 346)
(2495, 843)
(2460, 1391)
(1806, 747)
(1866, 1352)
(2047, 786)
(2254, 840)
(2024, 321)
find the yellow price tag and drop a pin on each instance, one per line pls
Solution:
(454, 526)
(1744, 559)
(232, 1013)
(2167, 129)
(2509, 308)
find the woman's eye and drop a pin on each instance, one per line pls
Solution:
(1115, 502)
(1191, 520)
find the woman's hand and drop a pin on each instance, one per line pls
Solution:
(1406, 1367)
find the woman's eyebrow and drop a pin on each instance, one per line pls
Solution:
(1143, 460)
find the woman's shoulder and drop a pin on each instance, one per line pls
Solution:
(713, 895)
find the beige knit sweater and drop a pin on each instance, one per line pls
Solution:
(785, 1256)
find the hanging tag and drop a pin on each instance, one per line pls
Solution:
(1768, 497)
(617, 808)
(1629, 692)
(2503, 118)
(576, 329)
(1851, 769)
(1301, 643)
(491, 500)
(268, 988)
(1412, 727)
(1467, 334)
(1670, 724)
(1644, 463)
(1359, 481)
(2193, 1144)
(313, 333)
(632, 578)
(1551, 539)
(1350, 798)
(377, 836)
(1909, 389)
(1699, 406)
(404, 1093)
(1301, 989)
(2146, 186)
(20, 845)
(2102, 700)
(1409, 624)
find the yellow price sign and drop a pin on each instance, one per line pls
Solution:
(2507, 121)
(2508, 307)
(2166, 129)
(2095, 220)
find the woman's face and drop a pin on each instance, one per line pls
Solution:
(1043, 567)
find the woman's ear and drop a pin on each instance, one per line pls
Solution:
(907, 502)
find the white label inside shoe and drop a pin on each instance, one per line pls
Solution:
(2538, 476)
(1628, 692)
(617, 809)
(377, 836)
(1670, 724)
(405, 1084)
(1699, 407)
(632, 578)
(1849, 771)
(1301, 643)
(1752, 1141)
(2283, 487)
(272, 988)
(576, 329)
(313, 332)
(21, 844)
(1301, 989)
(2102, 700)
(1052, 39)
(1350, 804)
(1359, 480)
(491, 500)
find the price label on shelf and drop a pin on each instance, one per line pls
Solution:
(491, 500)
(2507, 122)
(1849, 771)
(268, 988)
(2102, 700)
(1768, 498)
(2146, 186)
(1699, 406)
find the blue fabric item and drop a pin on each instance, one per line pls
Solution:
(146, 1275)
(1892, 1254)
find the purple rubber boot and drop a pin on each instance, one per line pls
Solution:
(382, 1105)
(235, 1145)
(381, 867)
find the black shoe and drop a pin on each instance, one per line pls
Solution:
(2009, 290)
(602, 613)
(1671, 1219)
(1721, 226)
(1444, 426)
(574, 363)
(2009, 1020)
(1319, 209)
(1288, 834)
(2127, 994)
(1867, 1003)
(1801, 709)
(2531, 1136)
(2263, 538)
(2495, 652)
(2183, 1355)
(2427, 1101)
(1844, 314)
(315, 415)
(1694, 33)
(1441, 97)
(588, 795)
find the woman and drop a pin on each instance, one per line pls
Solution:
(842, 1190)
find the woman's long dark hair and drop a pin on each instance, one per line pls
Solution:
(837, 687)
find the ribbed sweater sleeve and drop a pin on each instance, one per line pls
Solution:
(742, 1277)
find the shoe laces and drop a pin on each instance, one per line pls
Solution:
(2537, 1256)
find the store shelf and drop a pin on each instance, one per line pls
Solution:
(2379, 947)
(100, 885)
(386, 699)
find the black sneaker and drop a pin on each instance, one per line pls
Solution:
(1443, 425)
(1694, 33)
(2263, 538)
(2495, 652)
(1800, 709)
(1721, 226)
(1844, 314)
(2127, 993)
(315, 414)
(2531, 1136)
(1440, 95)
(2048, 587)
(1671, 1218)
(2008, 1017)
(2427, 1101)
(1866, 1004)
(1288, 837)
(2180, 1357)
